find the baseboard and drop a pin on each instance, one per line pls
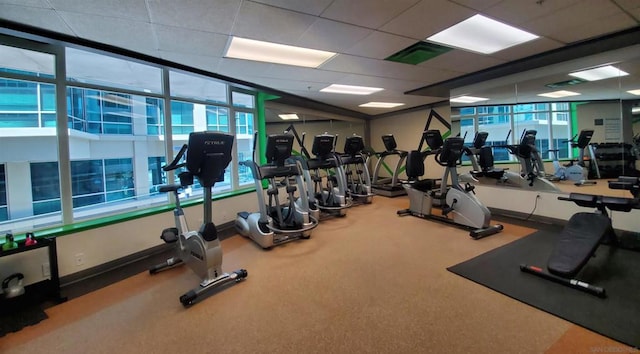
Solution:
(535, 220)
(225, 230)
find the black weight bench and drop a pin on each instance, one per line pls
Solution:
(583, 234)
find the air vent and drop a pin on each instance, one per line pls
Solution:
(418, 53)
(565, 83)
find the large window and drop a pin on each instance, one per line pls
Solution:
(93, 182)
(117, 119)
(507, 123)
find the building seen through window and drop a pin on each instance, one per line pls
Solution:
(116, 118)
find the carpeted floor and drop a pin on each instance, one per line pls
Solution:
(369, 282)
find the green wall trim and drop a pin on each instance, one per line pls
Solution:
(573, 112)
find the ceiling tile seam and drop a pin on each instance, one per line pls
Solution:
(400, 14)
(154, 33)
(64, 20)
(146, 5)
(233, 26)
(625, 11)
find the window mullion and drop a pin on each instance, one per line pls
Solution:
(64, 156)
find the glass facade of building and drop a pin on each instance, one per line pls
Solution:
(116, 118)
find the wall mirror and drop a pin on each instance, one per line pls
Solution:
(279, 117)
(559, 101)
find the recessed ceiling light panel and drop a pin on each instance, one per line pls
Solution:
(249, 49)
(467, 99)
(351, 90)
(559, 94)
(481, 35)
(634, 92)
(599, 73)
(381, 105)
(288, 116)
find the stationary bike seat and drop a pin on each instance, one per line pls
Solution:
(577, 243)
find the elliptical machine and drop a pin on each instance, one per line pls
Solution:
(276, 224)
(325, 176)
(208, 154)
(460, 201)
(356, 170)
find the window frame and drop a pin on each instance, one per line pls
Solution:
(61, 84)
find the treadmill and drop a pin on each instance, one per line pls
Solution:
(390, 186)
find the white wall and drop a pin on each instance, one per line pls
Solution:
(587, 113)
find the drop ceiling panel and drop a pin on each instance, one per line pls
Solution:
(517, 12)
(575, 15)
(312, 7)
(594, 28)
(29, 3)
(462, 62)
(190, 41)
(135, 10)
(367, 13)
(37, 17)
(628, 4)
(379, 45)
(332, 36)
(380, 68)
(479, 5)
(524, 50)
(386, 83)
(426, 18)
(267, 23)
(201, 62)
(302, 74)
(113, 31)
(205, 15)
(242, 68)
(288, 85)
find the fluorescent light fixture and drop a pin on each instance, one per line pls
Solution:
(558, 94)
(249, 49)
(288, 116)
(351, 90)
(381, 105)
(467, 99)
(481, 35)
(599, 73)
(634, 92)
(635, 110)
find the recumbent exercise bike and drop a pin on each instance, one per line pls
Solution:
(208, 154)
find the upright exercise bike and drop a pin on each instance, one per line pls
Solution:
(460, 201)
(208, 154)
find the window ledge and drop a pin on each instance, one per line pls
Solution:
(115, 219)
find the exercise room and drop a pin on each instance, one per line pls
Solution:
(261, 176)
